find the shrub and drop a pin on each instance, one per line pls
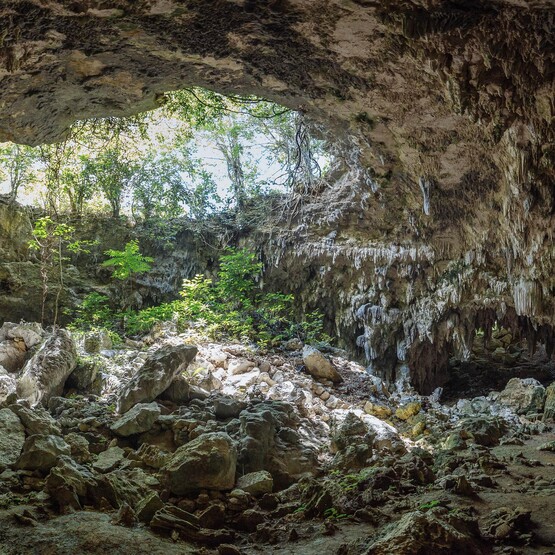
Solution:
(232, 306)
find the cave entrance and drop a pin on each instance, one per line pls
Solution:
(198, 154)
(129, 208)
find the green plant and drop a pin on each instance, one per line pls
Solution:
(51, 240)
(332, 513)
(350, 482)
(93, 312)
(127, 262)
(299, 509)
(429, 505)
(231, 306)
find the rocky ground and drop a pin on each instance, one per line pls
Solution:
(162, 446)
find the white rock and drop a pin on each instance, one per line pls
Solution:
(386, 436)
(239, 366)
(45, 374)
(244, 380)
(31, 333)
(205, 364)
(136, 420)
(265, 378)
(8, 384)
(216, 356)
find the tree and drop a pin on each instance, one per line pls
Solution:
(17, 167)
(50, 238)
(112, 173)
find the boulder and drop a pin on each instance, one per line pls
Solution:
(407, 411)
(156, 374)
(293, 344)
(319, 366)
(523, 395)
(137, 420)
(186, 525)
(239, 366)
(419, 532)
(96, 341)
(12, 438)
(549, 407)
(36, 421)
(41, 452)
(45, 374)
(12, 355)
(109, 459)
(85, 373)
(508, 523)
(181, 392)
(148, 506)
(225, 408)
(29, 332)
(68, 483)
(79, 447)
(379, 411)
(486, 431)
(207, 462)
(242, 381)
(256, 483)
(8, 385)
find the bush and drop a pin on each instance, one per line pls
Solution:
(230, 307)
(94, 312)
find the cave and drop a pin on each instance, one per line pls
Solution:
(427, 424)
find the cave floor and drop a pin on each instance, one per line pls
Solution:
(356, 469)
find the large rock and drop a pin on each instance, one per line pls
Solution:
(523, 395)
(319, 366)
(181, 392)
(85, 373)
(136, 420)
(549, 407)
(42, 452)
(207, 462)
(68, 483)
(427, 533)
(256, 483)
(45, 374)
(12, 354)
(30, 333)
(156, 375)
(36, 421)
(486, 431)
(96, 341)
(8, 385)
(12, 438)
(109, 459)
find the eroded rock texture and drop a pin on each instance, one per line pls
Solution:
(439, 220)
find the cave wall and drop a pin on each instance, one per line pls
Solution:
(440, 218)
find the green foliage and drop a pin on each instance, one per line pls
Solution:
(128, 261)
(94, 312)
(429, 505)
(17, 167)
(232, 306)
(50, 240)
(331, 513)
(351, 482)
